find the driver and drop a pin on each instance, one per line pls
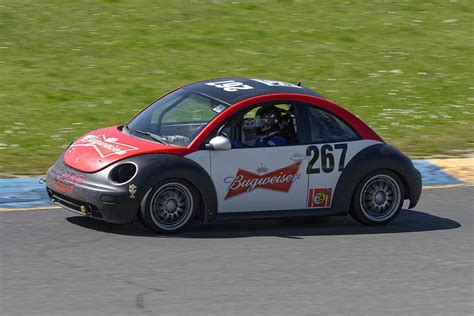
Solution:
(267, 124)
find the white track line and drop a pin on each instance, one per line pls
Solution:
(41, 208)
(448, 186)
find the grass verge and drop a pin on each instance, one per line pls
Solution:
(406, 68)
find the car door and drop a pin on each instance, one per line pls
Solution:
(260, 178)
(332, 143)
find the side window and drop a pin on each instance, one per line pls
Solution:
(264, 125)
(325, 127)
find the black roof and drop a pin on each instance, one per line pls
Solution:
(233, 90)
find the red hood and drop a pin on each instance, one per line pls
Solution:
(99, 149)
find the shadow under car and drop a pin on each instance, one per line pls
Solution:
(295, 228)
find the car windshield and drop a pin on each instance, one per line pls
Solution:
(175, 119)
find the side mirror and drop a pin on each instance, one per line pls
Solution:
(219, 143)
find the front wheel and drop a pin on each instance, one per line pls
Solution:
(378, 198)
(169, 206)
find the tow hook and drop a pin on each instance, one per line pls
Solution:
(86, 209)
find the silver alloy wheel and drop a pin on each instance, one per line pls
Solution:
(171, 206)
(380, 198)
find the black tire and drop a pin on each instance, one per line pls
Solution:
(169, 206)
(378, 198)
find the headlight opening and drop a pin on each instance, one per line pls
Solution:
(123, 173)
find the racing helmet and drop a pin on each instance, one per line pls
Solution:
(267, 119)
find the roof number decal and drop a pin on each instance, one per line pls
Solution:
(230, 85)
(273, 83)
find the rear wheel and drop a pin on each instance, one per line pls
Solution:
(378, 198)
(170, 206)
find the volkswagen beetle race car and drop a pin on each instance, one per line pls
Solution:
(234, 147)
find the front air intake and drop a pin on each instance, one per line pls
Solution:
(123, 173)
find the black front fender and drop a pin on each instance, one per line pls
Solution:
(155, 168)
(376, 157)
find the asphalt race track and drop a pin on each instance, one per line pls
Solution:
(56, 263)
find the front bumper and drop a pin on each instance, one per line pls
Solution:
(91, 194)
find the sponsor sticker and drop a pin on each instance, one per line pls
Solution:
(320, 198)
(103, 145)
(219, 108)
(132, 189)
(66, 181)
(278, 180)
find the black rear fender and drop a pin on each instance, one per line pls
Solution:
(376, 157)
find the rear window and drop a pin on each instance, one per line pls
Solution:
(326, 127)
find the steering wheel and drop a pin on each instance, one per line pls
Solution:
(221, 132)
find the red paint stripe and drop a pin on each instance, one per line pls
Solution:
(363, 129)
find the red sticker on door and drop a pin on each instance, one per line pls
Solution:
(319, 198)
(278, 180)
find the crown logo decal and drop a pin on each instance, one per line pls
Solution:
(262, 168)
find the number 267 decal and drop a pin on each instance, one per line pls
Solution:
(327, 158)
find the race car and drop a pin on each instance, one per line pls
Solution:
(234, 147)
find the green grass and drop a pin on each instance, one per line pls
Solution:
(405, 67)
